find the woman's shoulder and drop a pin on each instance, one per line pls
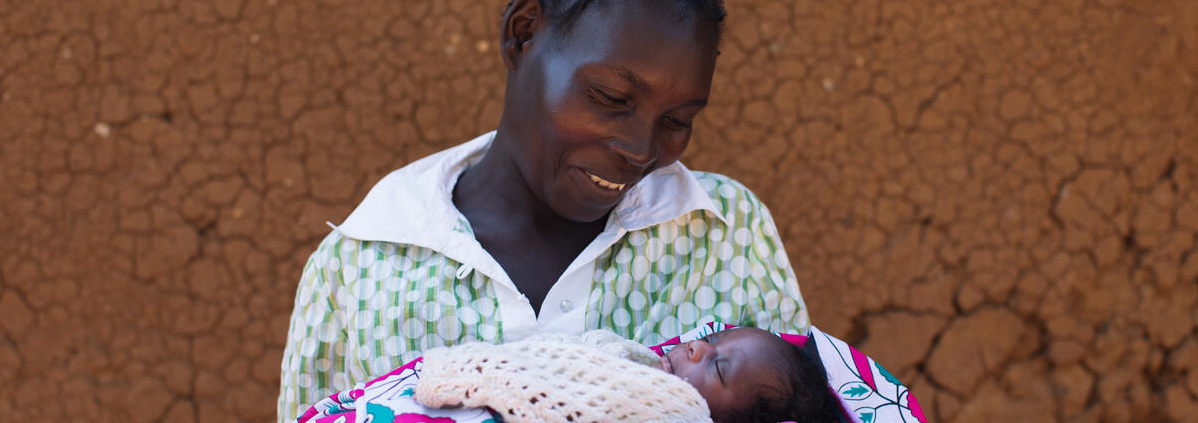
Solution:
(336, 247)
(734, 202)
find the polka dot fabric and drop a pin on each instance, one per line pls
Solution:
(668, 278)
(365, 307)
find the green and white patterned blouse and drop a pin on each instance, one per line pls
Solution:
(404, 273)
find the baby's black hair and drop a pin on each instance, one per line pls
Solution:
(804, 395)
(564, 13)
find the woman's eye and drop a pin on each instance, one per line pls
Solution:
(606, 99)
(675, 123)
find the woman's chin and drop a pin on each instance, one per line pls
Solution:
(582, 212)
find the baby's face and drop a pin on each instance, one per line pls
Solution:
(728, 368)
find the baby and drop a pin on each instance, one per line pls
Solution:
(741, 374)
(751, 375)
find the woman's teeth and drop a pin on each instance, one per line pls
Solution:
(605, 183)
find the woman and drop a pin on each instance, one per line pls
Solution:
(573, 215)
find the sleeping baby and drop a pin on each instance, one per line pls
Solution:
(734, 375)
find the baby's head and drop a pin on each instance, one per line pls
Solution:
(750, 375)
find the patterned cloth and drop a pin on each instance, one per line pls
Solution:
(868, 393)
(404, 273)
(389, 398)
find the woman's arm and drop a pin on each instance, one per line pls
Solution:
(316, 340)
(757, 259)
(783, 307)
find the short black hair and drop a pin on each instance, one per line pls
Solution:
(804, 394)
(562, 14)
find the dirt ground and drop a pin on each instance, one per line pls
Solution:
(1018, 180)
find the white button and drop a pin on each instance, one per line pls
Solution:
(566, 305)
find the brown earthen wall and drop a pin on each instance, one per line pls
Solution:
(998, 199)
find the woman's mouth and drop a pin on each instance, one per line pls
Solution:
(604, 183)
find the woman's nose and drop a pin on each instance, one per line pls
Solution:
(635, 144)
(699, 349)
(637, 152)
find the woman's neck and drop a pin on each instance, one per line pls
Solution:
(494, 187)
(533, 244)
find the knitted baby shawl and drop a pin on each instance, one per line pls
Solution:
(596, 377)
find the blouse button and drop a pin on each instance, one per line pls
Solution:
(566, 305)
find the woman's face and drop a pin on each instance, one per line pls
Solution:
(588, 114)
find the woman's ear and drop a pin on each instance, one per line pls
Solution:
(522, 19)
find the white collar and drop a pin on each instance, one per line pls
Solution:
(414, 205)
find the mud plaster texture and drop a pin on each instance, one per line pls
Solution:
(997, 199)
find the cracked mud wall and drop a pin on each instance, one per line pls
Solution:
(997, 199)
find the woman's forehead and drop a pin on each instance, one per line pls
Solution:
(632, 43)
(643, 24)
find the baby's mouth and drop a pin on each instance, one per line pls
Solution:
(665, 364)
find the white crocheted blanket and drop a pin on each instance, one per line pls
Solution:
(596, 377)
